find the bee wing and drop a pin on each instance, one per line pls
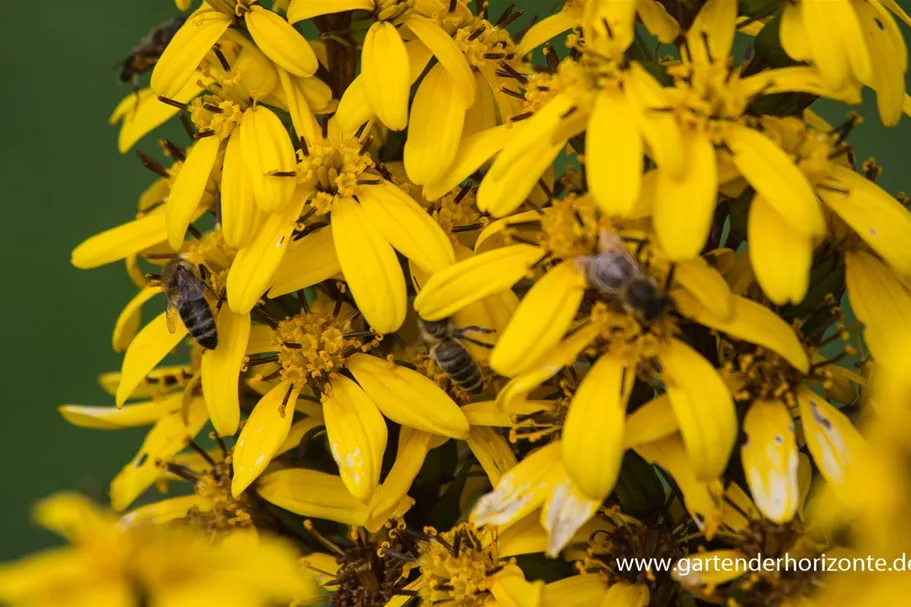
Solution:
(171, 313)
(189, 287)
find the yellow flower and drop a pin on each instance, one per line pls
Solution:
(388, 65)
(851, 44)
(110, 565)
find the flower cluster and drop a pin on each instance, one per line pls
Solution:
(477, 304)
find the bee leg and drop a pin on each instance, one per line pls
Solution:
(476, 342)
(153, 277)
(477, 329)
(669, 280)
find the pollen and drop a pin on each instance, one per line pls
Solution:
(455, 210)
(708, 97)
(482, 43)
(457, 566)
(224, 513)
(333, 166)
(311, 346)
(216, 114)
(570, 228)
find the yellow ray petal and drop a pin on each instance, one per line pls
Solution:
(369, 265)
(710, 38)
(405, 225)
(793, 34)
(659, 129)
(483, 114)
(308, 261)
(756, 324)
(115, 418)
(609, 25)
(706, 284)
(357, 436)
(769, 457)
(703, 407)
(471, 280)
(298, 430)
(836, 40)
(437, 118)
(780, 255)
(889, 59)
(189, 187)
(312, 493)
(128, 321)
(447, 53)
(492, 451)
(149, 348)
(256, 264)
(541, 320)
(412, 449)
(564, 513)
(614, 163)
(658, 21)
(148, 113)
(521, 490)
(584, 590)
(264, 432)
(593, 431)
(385, 68)
(221, 371)
(407, 397)
(186, 50)
(684, 206)
(240, 216)
(266, 149)
(121, 241)
(473, 151)
(166, 438)
(624, 594)
(548, 28)
(317, 94)
(298, 106)
(878, 218)
(651, 422)
(281, 43)
(502, 194)
(165, 511)
(510, 589)
(777, 179)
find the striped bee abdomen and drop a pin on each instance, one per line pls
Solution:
(199, 321)
(457, 363)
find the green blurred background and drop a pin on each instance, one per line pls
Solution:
(63, 180)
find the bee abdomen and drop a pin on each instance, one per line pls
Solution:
(459, 366)
(200, 322)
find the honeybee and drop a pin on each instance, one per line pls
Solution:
(186, 295)
(619, 277)
(451, 356)
(146, 54)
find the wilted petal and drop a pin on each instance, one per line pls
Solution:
(769, 457)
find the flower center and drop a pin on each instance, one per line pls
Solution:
(708, 97)
(456, 212)
(482, 42)
(334, 166)
(456, 566)
(215, 114)
(571, 227)
(224, 512)
(390, 10)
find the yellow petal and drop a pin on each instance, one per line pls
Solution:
(623, 594)
(710, 37)
(301, 116)
(128, 322)
(703, 407)
(405, 225)
(614, 163)
(878, 218)
(447, 53)
(502, 194)
(492, 451)
(369, 265)
(889, 59)
(221, 371)
(883, 304)
(836, 41)
(593, 431)
(547, 28)
(793, 34)
(769, 457)
(657, 20)
(317, 94)
(407, 397)
(115, 418)
(437, 118)
(541, 320)
(838, 449)
(186, 50)
(189, 187)
(147, 349)
(609, 25)
(266, 149)
(896, 8)
(307, 9)
(521, 490)
(473, 279)
(281, 43)
(313, 494)
(659, 129)
(165, 511)
(510, 589)
(308, 261)
(298, 430)
(777, 179)
(700, 570)
(473, 152)
(122, 241)
(756, 324)
(146, 113)
(684, 206)
(488, 413)
(702, 499)
(781, 256)
(584, 590)
(357, 436)
(240, 217)
(263, 433)
(385, 68)
(167, 437)
(256, 264)
(706, 284)
(651, 422)
(564, 513)
(412, 450)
